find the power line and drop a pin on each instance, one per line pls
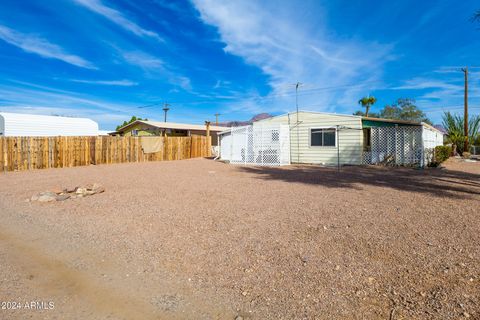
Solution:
(256, 98)
(305, 92)
(149, 105)
(270, 96)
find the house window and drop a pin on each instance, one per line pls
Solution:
(322, 138)
(134, 133)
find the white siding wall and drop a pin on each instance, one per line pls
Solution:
(349, 137)
(431, 137)
(17, 124)
(225, 146)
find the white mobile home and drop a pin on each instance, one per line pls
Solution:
(329, 139)
(19, 124)
(318, 138)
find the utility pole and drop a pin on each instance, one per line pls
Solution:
(216, 118)
(465, 110)
(165, 109)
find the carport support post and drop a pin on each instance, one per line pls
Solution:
(422, 155)
(395, 145)
(209, 142)
(337, 132)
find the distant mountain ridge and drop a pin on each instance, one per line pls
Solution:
(258, 117)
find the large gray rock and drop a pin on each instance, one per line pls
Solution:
(62, 197)
(47, 197)
(81, 191)
(64, 194)
(97, 188)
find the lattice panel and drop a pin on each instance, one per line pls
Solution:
(396, 146)
(257, 145)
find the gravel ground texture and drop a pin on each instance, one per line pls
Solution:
(199, 239)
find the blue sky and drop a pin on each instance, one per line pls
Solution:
(104, 59)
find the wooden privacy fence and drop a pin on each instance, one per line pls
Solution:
(26, 153)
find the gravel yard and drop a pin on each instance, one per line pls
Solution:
(198, 239)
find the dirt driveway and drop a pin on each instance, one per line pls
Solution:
(197, 239)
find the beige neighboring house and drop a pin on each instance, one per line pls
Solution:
(157, 128)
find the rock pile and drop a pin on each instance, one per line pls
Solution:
(64, 194)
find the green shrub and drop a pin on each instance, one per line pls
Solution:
(442, 153)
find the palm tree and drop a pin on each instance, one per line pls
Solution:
(453, 124)
(474, 130)
(367, 102)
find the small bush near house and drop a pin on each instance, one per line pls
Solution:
(466, 155)
(442, 153)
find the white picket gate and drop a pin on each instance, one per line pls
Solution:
(264, 145)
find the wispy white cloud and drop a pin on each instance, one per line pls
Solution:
(143, 60)
(449, 91)
(94, 114)
(24, 97)
(281, 42)
(324, 55)
(221, 84)
(30, 94)
(156, 67)
(426, 83)
(448, 69)
(121, 83)
(438, 92)
(42, 47)
(184, 82)
(118, 18)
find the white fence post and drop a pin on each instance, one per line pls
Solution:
(246, 146)
(231, 144)
(261, 144)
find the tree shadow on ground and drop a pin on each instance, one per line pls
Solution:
(433, 181)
